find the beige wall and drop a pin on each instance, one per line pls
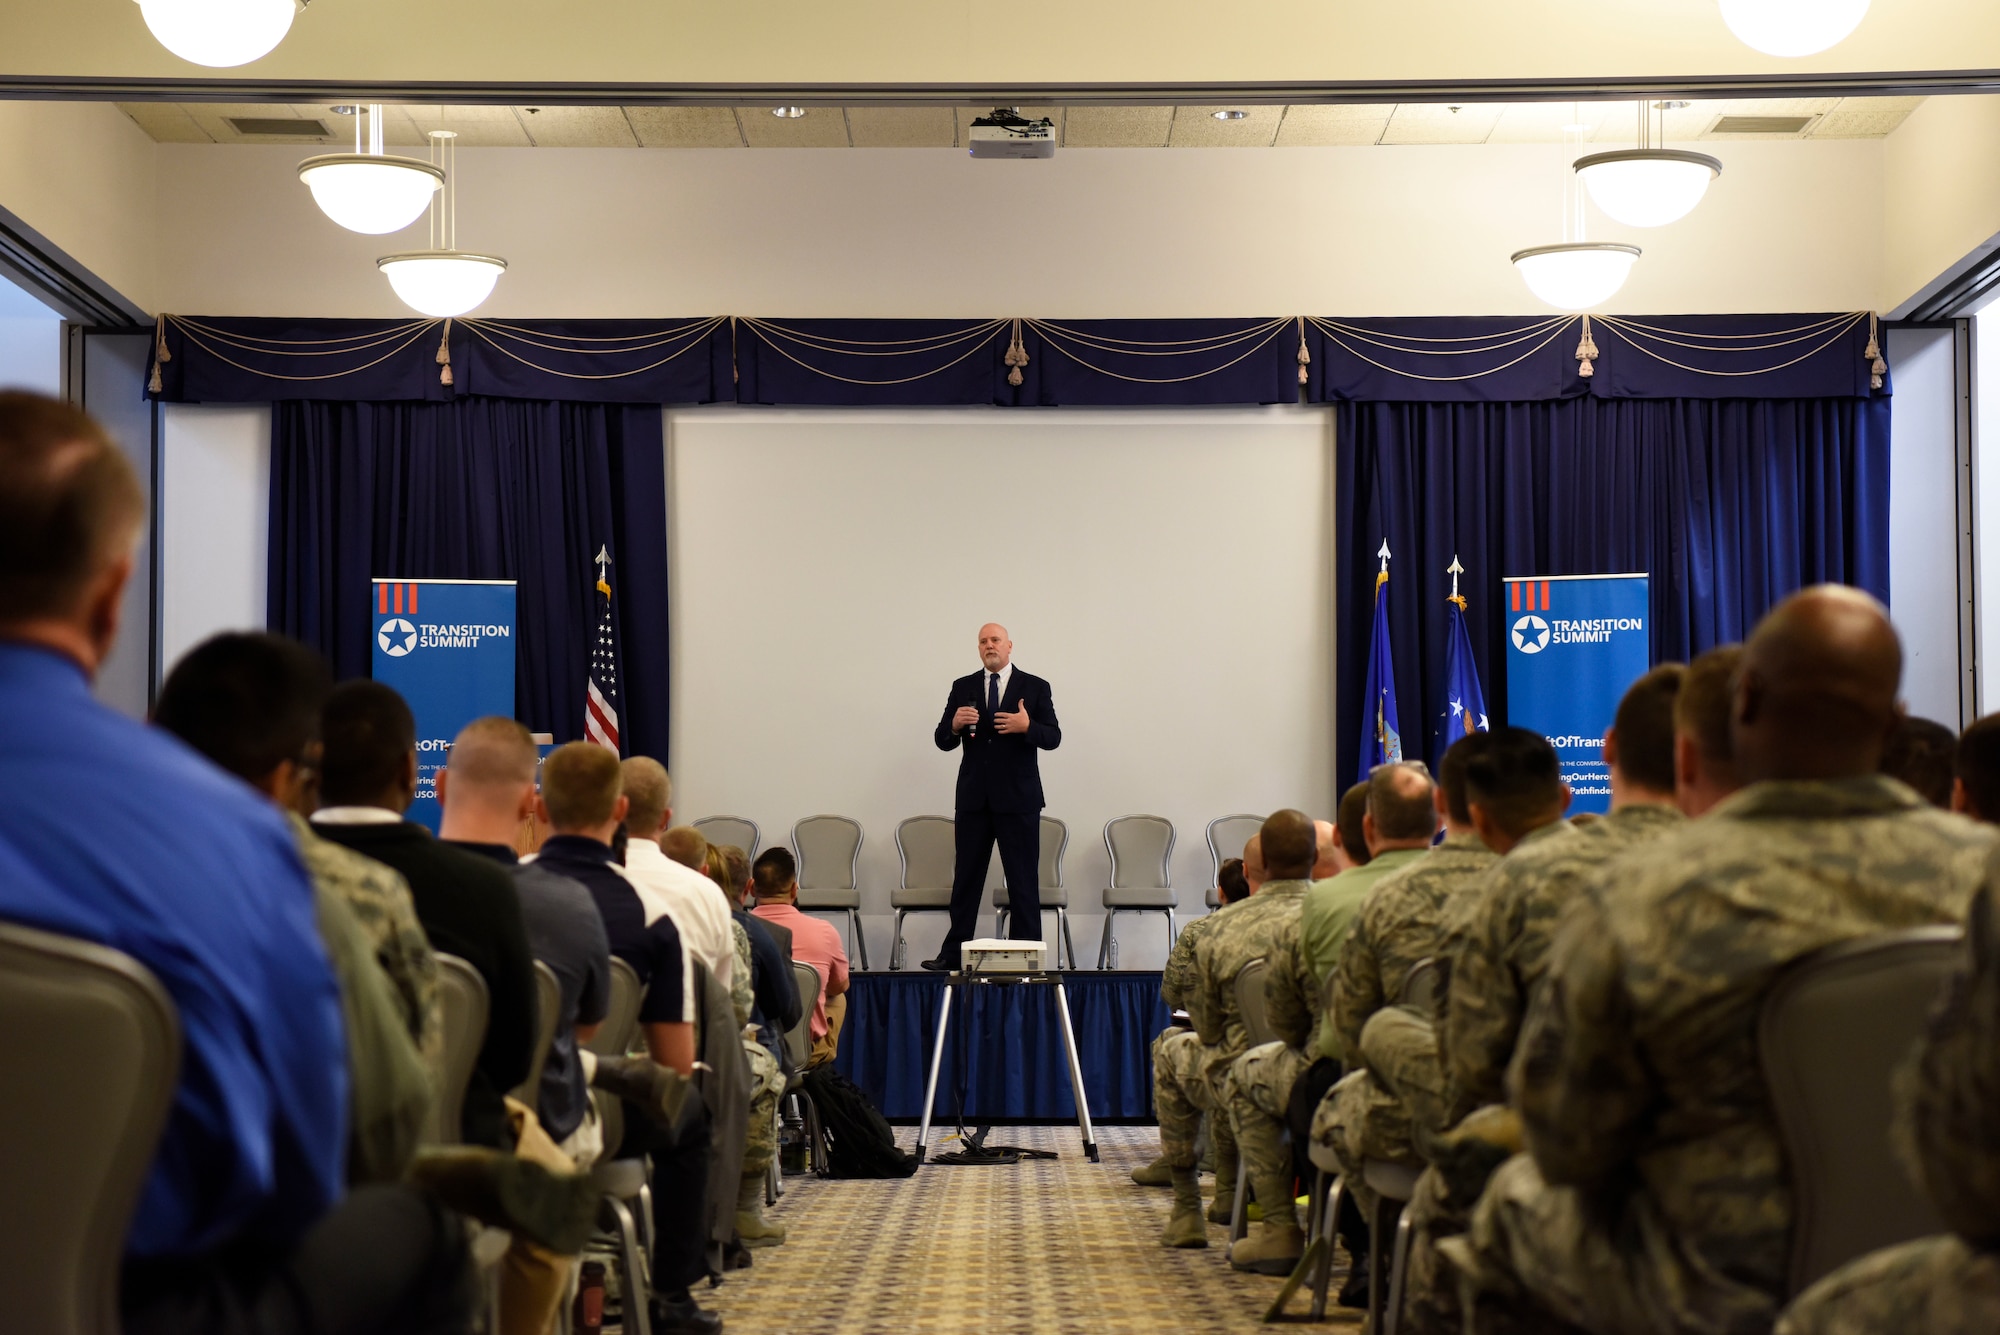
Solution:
(1941, 200)
(83, 175)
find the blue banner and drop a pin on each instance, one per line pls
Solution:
(1574, 644)
(447, 646)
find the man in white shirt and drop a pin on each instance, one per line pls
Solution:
(695, 903)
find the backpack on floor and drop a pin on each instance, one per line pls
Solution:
(859, 1141)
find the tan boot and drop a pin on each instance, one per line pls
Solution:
(1154, 1174)
(751, 1225)
(1274, 1249)
(1224, 1205)
(1186, 1227)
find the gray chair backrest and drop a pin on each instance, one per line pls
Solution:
(1142, 850)
(462, 1006)
(1055, 842)
(89, 1060)
(828, 849)
(929, 855)
(548, 1007)
(1250, 1002)
(621, 1016)
(1226, 837)
(1833, 1027)
(1420, 988)
(798, 1039)
(739, 831)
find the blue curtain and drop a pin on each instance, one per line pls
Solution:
(480, 489)
(1729, 504)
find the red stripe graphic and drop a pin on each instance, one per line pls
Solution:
(382, 599)
(1545, 598)
(413, 600)
(399, 600)
(1515, 589)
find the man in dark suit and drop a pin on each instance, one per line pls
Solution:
(1001, 717)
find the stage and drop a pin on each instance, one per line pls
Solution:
(1004, 1047)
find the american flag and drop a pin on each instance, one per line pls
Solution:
(600, 704)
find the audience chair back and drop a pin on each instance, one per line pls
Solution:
(723, 831)
(462, 1005)
(798, 1039)
(1226, 837)
(89, 1058)
(1142, 852)
(548, 1008)
(828, 850)
(621, 1015)
(1048, 872)
(927, 848)
(1420, 988)
(1833, 1029)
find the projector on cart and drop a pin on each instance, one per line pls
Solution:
(991, 955)
(1006, 133)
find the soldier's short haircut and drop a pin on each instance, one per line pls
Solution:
(1977, 766)
(685, 845)
(1516, 779)
(581, 784)
(247, 701)
(1290, 844)
(493, 750)
(774, 873)
(1451, 773)
(1707, 698)
(1645, 724)
(1353, 806)
(1230, 883)
(69, 506)
(368, 734)
(648, 792)
(1403, 801)
(1922, 753)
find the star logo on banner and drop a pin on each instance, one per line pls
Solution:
(1531, 635)
(396, 637)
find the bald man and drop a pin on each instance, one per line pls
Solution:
(1653, 1197)
(998, 718)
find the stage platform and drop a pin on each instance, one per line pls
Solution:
(1004, 1047)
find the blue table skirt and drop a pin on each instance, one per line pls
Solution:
(1005, 1044)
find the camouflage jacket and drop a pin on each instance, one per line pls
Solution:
(1291, 992)
(1637, 1066)
(380, 899)
(1401, 922)
(1242, 934)
(1177, 979)
(740, 993)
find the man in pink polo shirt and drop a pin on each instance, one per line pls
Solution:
(775, 880)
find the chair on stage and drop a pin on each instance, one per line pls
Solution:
(828, 849)
(89, 1057)
(1226, 837)
(928, 848)
(1142, 850)
(1055, 840)
(727, 831)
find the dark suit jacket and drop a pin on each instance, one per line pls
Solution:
(998, 773)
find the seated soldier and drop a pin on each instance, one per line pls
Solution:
(1187, 1061)
(1704, 765)
(1948, 1106)
(1653, 1197)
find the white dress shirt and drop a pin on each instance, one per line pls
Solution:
(696, 904)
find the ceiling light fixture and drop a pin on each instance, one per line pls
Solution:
(219, 33)
(1648, 186)
(443, 281)
(788, 113)
(1793, 27)
(1576, 274)
(368, 190)
(1229, 115)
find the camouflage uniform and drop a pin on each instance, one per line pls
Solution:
(740, 993)
(380, 898)
(1655, 1199)
(1177, 979)
(767, 1086)
(1256, 1086)
(1933, 1286)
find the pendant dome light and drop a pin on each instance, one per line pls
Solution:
(443, 281)
(1648, 186)
(1575, 274)
(371, 191)
(219, 33)
(1793, 27)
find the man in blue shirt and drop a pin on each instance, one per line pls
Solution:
(202, 884)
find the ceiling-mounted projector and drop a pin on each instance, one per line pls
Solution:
(1008, 134)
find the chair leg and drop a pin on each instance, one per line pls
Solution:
(1000, 923)
(896, 942)
(1381, 1226)
(1173, 933)
(1399, 1267)
(1104, 942)
(635, 1286)
(858, 945)
(1239, 1215)
(1323, 1286)
(1063, 943)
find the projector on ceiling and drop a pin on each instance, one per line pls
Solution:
(1008, 134)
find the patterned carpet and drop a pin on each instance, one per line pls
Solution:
(1041, 1246)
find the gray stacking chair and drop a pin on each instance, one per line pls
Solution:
(828, 849)
(1226, 837)
(798, 1050)
(1833, 1029)
(738, 831)
(1055, 839)
(621, 1015)
(1142, 850)
(929, 854)
(628, 1195)
(548, 1006)
(1249, 989)
(89, 1059)
(463, 1005)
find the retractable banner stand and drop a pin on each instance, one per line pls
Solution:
(1574, 644)
(447, 646)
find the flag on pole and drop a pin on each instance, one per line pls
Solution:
(600, 704)
(1381, 740)
(1464, 702)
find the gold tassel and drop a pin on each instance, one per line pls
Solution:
(1017, 356)
(154, 384)
(1305, 356)
(1877, 368)
(444, 355)
(1586, 352)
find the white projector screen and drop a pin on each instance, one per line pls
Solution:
(1168, 572)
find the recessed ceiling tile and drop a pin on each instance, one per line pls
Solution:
(1197, 127)
(903, 127)
(820, 127)
(1332, 127)
(1437, 123)
(1865, 117)
(685, 127)
(217, 121)
(1117, 127)
(1554, 122)
(166, 122)
(1697, 120)
(476, 127)
(577, 127)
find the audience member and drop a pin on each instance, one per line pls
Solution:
(1704, 764)
(1187, 1063)
(1353, 851)
(1653, 1196)
(1975, 786)
(684, 844)
(1923, 754)
(240, 1225)
(251, 704)
(775, 879)
(774, 994)
(468, 907)
(681, 891)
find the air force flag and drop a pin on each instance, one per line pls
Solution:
(1464, 702)
(1381, 739)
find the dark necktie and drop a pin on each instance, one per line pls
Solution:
(992, 693)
